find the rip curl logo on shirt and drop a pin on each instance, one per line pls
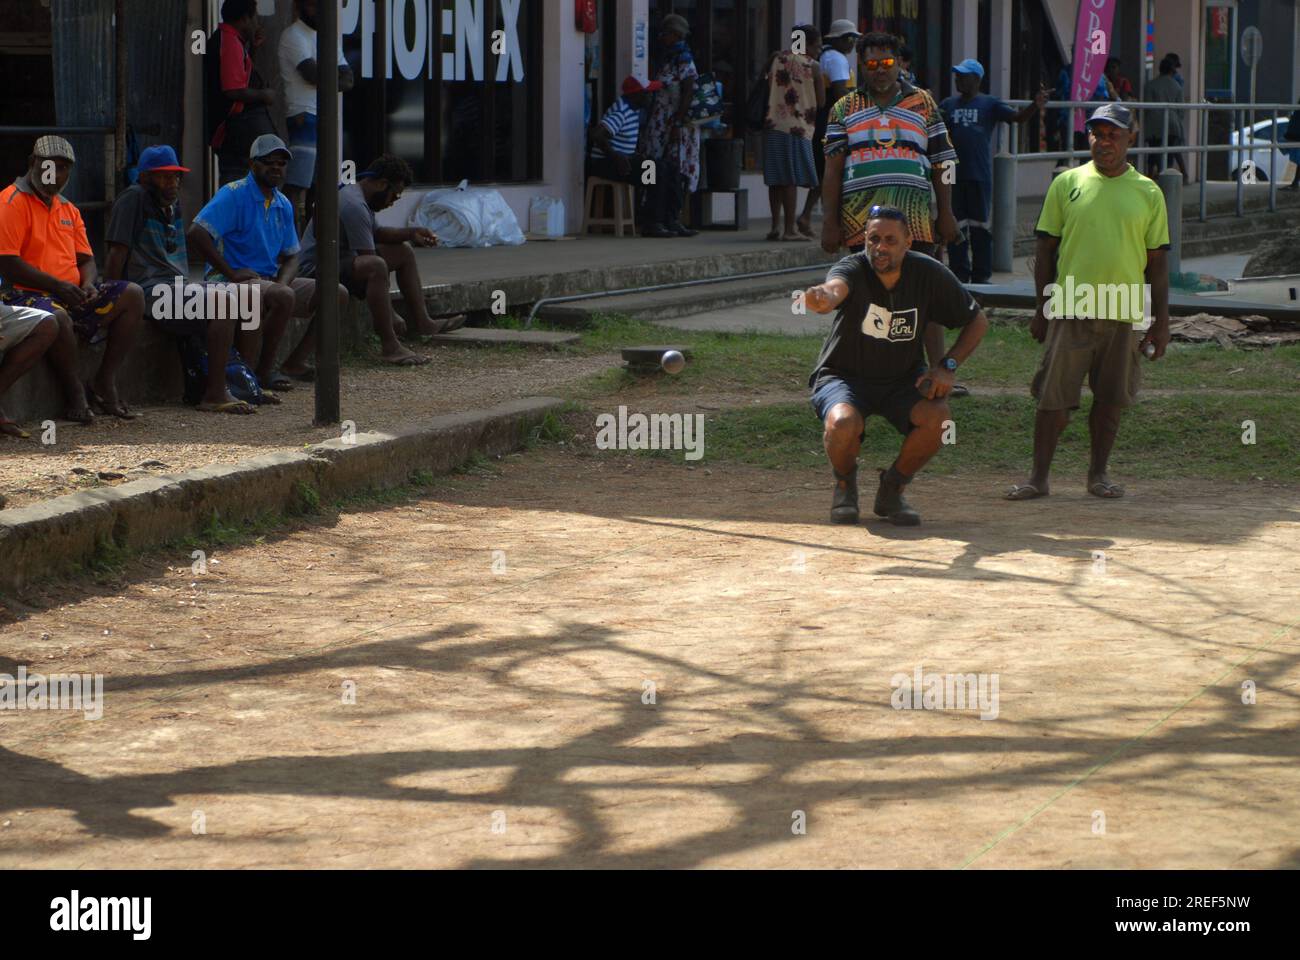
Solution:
(1075, 194)
(882, 324)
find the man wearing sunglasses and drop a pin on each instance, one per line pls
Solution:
(246, 234)
(146, 245)
(886, 143)
(873, 361)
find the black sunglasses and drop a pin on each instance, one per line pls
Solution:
(881, 212)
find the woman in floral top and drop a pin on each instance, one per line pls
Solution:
(795, 94)
(670, 137)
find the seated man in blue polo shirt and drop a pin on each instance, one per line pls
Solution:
(246, 234)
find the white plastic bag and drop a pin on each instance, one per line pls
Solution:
(467, 216)
(546, 217)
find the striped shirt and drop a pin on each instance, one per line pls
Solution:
(623, 122)
(888, 157)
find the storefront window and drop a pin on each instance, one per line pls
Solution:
(1220, 29)
(921, 25)
(732, 39)
(454, 88)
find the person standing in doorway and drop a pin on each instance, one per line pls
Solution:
(795, 96)
(673, 141)
(837, 61)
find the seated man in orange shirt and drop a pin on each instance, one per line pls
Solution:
(47, 264)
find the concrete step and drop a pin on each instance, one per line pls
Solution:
(497, 336)
(682, 301)
(477, 296)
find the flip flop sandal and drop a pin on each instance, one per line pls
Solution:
(237, 407)
(413, 360)
(267, 399)
(446, 325)
(10, 428)
(774, 235)
(121, 411)
(1025, 491)
(1106, 489)
(279, 382)
(83, 416)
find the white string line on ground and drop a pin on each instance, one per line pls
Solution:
(1124, 747)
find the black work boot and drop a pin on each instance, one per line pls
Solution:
(890, 503)
(844, 504)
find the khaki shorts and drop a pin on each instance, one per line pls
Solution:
(303, 290)
(1105, 351)
(17, 324)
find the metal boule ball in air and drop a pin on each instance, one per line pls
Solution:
(673, 361)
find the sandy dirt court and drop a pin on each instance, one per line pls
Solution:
(616, 661)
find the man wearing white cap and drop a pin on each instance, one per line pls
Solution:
(47, 264)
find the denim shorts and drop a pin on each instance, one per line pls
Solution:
(893, 401)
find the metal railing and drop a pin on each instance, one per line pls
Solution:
(1004, 164)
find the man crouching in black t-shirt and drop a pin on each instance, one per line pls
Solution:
(873, 361)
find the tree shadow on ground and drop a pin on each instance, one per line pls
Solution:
(574, 777)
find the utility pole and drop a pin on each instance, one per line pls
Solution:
(327, 216)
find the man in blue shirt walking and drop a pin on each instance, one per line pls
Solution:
(971, 117)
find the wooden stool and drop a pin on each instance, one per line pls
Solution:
(618, 197)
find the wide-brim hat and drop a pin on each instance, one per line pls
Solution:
(842, 28)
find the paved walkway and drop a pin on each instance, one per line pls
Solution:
(775, 315)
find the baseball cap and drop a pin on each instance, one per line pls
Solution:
(633, 84)
(969, 65)
(267, 144)
(50, 147)
(1114, 113)
(160, 159)
(842, 28)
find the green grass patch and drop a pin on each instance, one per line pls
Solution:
(1162, 437)
(1006, 358)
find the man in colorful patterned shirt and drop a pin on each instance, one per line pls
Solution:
(886, 144)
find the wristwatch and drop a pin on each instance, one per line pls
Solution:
(949, 364)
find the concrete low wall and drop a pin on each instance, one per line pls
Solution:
(61, 535)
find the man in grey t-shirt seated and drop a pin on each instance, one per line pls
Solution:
(368, 253)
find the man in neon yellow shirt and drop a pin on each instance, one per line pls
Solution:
(1102, 279)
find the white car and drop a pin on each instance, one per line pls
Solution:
(1258, 138)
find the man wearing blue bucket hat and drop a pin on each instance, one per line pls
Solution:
(146, 245)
